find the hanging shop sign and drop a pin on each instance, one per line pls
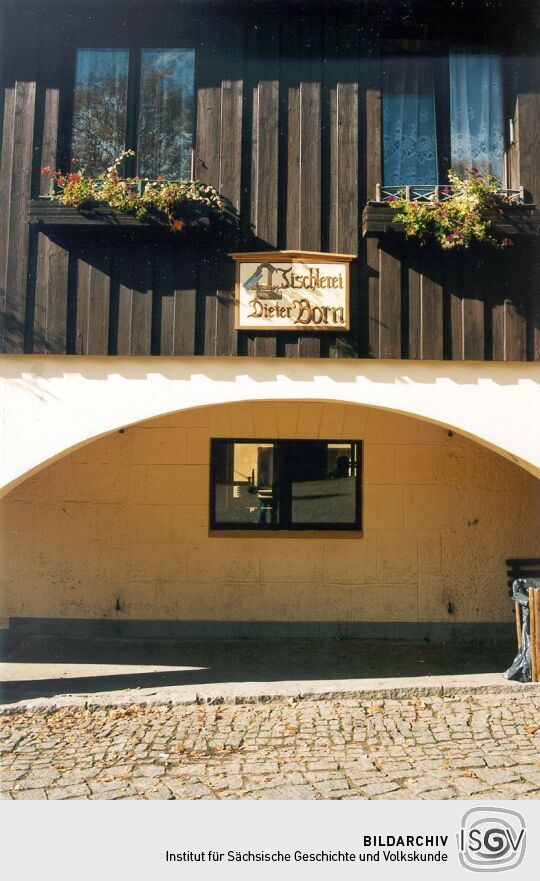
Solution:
(292, 290)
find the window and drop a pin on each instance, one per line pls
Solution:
(134, 99)
(272, 485)
(441, 112)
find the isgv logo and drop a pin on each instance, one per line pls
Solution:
(491, 839)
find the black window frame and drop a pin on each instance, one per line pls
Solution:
(135, 50)
(285, 524)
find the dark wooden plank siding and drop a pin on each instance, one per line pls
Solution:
(288, 127)
(16, 173)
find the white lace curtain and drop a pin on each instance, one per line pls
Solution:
(476, 119)
(408, 122)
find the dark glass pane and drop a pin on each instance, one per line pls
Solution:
(99, 113)
(408, 122)
(244, 484)
(324, 484)
(166, 113)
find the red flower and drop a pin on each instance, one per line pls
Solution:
(61, 181)
(45, 169)
(160, 179)
(74, 177)
(392, 198)
(178, 224)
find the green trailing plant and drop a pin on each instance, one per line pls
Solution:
(459, 220)
(179, 204)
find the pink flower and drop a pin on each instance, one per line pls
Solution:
(507, 242)
(392, 199)
(45, 169)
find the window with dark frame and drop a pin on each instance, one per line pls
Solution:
(440, 110)
(139, 99)
(264, 485)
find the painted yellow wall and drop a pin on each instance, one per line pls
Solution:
(127, 517)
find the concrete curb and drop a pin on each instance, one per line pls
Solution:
(167, 699)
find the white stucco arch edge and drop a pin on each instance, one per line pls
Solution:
(51, 405)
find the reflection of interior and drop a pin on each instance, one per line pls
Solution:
(285, 484)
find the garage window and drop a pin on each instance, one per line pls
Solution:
(283, 484)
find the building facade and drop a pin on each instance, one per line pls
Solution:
(360, 453)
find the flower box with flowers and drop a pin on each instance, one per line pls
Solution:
(110, 199)
(472, 210)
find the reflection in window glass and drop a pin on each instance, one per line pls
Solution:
(99, 112)
(476, 113)
(244, 475)
(166, 113)
(324, 486)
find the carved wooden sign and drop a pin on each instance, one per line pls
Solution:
(292, 290)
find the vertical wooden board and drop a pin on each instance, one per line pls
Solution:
(432, 308)
(49, 143)
(264, 88)
(226, 335)
(185, 302)
(494, 286)
(208, 134)
(265, 115)
(290, 84)
(390, 305)
(231, 117)
(533, 308)
(515, 331)
(6, 161)
(519, 261)
(432, 320)
(473, 307)
(164, 302)
(528, 108)
(310, 165)
(217, 289)
(262, 346)
(453, 290)
(41, 295)
(288, 345)
(309, 347)
(372, 155)
(82, 299)
(231, 140)
(347, 149)
(17, 226)
(141, 303)
(333, 66)
(131, 305)
(57, 299)
(99, 301)
(206, 295)
(373, 263)
(415, 309)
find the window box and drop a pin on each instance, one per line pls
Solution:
(517, 220)
(46, 213)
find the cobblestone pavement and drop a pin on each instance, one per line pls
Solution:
(473, 746)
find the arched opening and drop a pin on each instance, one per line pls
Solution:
(117, 533)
